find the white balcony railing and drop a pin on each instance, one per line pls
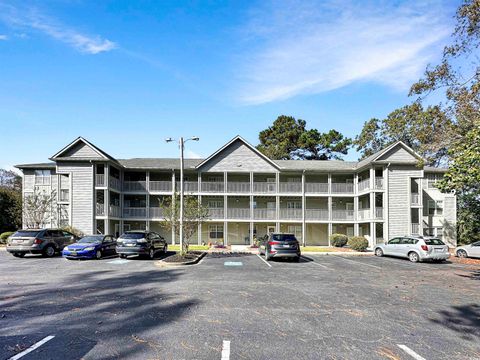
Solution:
(162, 186)
(156, 212)
(290, 187)
(363, 214)
(115, 183)
(343, 188)
(212, 186)
(343, 215)
(415, 199)
(316, 214)
(238, 213)
(100, 180)
(378, 213)
(264, 214)
(216, 213)
(114, 211)
(188, 186)
(364, 185)
(379, 183)
(264, 187)
(291, 214)
(415, 229)
(316, 188)
(135, 186)
(135, 212)
(238, 187)
(100, 209)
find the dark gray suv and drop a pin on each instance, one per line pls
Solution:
(47, 242)
(140, 242)
(278, 245)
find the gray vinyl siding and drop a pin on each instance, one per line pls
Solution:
(28, 180)
(238, 158)
(399, 199)
(82, 194)
(81, 150)
(398, 154)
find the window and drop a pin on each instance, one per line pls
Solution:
(435, 207)
(432, 180)
(394, 241)
(42, 177)
(215, 204)
(296, 230)
(294, 205)
(215, 178)
(215, 231)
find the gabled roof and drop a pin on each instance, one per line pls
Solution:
(374, 157)
(102, 154)
(50, 165)
(251, 147)
(160, 164)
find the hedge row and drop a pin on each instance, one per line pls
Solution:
(358, 243)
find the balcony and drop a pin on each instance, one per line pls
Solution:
(238, 187)
(291, 214)
(238, 213)
(316, 214)
(342, 188)
(364, 185)
(188, 186)
(264, 214)
(135, 186)
(135, 212)
(378, 213)
(291, 187)
(415, 199)
(379, 183)
(213, 187)
(156, 212)
(415, 229)
(216, 213)
(363, 214)
(264, 187)
(99, 180)
(100, 209)
(115, 183)
(343, 215)
(114, 211)
(316, 188)
(161, 186)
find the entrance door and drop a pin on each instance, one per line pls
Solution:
(117, 230)
(270, 229)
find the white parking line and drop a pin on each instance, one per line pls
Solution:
(358, 262)
(266, 262)
(226, 350)
(314, 262)
(31, 348)
(411, 352)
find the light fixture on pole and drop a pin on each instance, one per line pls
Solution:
(181, 144)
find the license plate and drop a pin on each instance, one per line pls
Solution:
(286, 246)
(18, 241)
(438, 250)
(130, 244)
(74, 253)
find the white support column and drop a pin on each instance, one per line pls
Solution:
(107, 199)
(199, 231)
(329, 213)
(225, 233)
(329, 183)
(330, 230)
(385, 204)
(173, 202)
(147, 180)
(277, 201)
(372, 193)
(371, 243)
(304, 201)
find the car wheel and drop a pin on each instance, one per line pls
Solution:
(165, 249)
(49, 251)
(123, 256)
(378, 252)
(19, 255)
(462, 254)
(297, 259)
(151, 254)
(98, 255)
(413, 257)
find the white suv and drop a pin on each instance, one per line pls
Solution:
(414, 248)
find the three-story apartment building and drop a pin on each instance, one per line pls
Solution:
(248, 194)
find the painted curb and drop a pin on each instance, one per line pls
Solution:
(162, 263)
(339, 253)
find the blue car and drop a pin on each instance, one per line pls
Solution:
(91, 247)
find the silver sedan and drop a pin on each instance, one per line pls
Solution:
(414, 248)
(471, 250)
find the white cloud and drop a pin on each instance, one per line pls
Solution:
(305, 48)
(30, 19)
(3, 37)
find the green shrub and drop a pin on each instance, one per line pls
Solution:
(338, 240)
(4, 236)
(73, 230)
(358, 243)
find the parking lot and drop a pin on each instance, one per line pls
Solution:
(239, 307)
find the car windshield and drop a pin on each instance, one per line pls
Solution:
(283, 237)
(134, 236)
(26, 233)
(434, 242)
(90, 239)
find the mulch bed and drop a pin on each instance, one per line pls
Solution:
(177, 258)
(465, 261)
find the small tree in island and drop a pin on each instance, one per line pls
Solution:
(39, 209)
(194, 214)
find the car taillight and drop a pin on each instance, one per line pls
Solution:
(37, 241)
(273, 243)
(424, 247)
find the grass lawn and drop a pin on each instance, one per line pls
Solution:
(191, 247)
(323, 249)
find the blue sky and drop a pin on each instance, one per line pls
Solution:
(125, 75)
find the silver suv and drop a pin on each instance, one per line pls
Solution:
(47, 242)
(415, 248)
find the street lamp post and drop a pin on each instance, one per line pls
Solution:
(181, 144)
